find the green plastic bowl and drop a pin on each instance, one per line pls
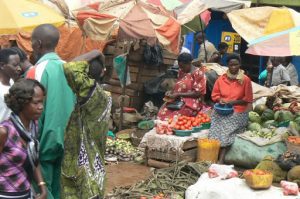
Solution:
(146, 125)
(205, 126)
(197, 129)
(183, 133)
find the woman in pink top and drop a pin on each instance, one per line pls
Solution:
(19, 162)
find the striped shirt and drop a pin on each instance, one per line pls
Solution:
(13, 177)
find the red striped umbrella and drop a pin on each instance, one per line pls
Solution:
(132, 19)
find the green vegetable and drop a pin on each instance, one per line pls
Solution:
(268, 114)
(281, 116)
(254, 127)
(254, 117)
(269, 124)
(260, 108)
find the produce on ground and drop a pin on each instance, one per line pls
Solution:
(294, 139)
(263, 121)
(122, 149)
(269, 164)
(172, 182)
(288, 160)
(294, 175)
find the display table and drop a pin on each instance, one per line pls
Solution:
(163, 150)
(234, 188)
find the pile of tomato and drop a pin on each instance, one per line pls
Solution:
(187, 123)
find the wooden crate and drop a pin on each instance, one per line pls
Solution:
(159, 159)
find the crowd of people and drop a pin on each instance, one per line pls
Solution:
(54, 115)
(54, 118)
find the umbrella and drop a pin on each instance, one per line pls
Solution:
(284, 43)
(25, 15)
(188, 11)
(132, 19)
(270, 31)
(253, 23)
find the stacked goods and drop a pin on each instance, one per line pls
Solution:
(264, 121)
(122, 149)
(183, 124)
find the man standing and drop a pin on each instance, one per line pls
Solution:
(9, 70)
(206, 48)
(58, 106)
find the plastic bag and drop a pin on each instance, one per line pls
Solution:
(222, 171)
(289, 188)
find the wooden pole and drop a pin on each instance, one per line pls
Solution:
(202, 30)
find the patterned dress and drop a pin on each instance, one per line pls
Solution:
(83, 165)
(225, 128)
(187, 82)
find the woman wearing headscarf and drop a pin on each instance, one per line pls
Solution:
(83, 165)
(189, 90)
(19, 161)
(234, 88)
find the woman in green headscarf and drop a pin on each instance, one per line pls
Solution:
(83, 165)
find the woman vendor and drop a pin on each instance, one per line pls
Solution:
(234, 88)
(186, 97)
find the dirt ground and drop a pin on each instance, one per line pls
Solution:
(124, 174)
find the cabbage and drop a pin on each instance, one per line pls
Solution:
(254, 117)
(254, 127)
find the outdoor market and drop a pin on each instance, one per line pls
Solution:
(149, 99)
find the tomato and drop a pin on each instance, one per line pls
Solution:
(177, 127)
(182, 128)
(143, 197)
(248, 172)
(260, 172)
(194, 123)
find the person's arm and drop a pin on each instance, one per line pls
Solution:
(90, 56)
(192, 94)
(40, 182)
(3, 137)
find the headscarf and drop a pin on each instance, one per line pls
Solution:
(239, 76)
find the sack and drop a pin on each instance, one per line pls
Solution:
(288, 160)
(177, 105)
(153, 55)
(246, 154)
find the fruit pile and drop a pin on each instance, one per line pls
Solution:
(187, 123)
(294, 139)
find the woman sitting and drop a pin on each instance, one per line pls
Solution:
(234, 88)
(19, 160)
(188, 90)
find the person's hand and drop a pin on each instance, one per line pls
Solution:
(174, 95)
(222, 101)
(43, 195)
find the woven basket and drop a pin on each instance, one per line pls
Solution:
(291, 147)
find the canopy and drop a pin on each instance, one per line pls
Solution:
(270, 31)
(25, 15)
(187, 11)
(253, 23)
(132, 19)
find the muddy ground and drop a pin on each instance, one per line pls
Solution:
(124, 174)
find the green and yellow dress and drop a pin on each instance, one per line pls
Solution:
(83, 164)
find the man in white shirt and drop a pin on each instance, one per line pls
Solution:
(280, 74)
(292, 71)
(205, 51)
(10, 71)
